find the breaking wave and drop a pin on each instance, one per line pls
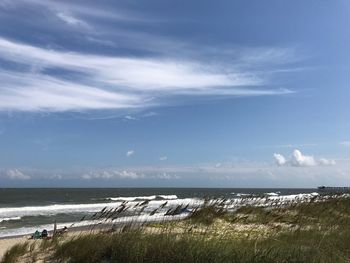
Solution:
(143, 198)
(5, 219)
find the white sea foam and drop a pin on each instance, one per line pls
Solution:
(84, 208)
(168, 197)
(272, 194)
(15, 213)
(158, 217)
(243, 194)
(4, 219)
(122, 198)
(150, 197)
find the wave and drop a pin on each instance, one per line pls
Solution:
(5, 219)
(243, 194)
(50, 210)
(158, 217)
(272, 194)
(168, 197)
(142, 198)
(15, 213)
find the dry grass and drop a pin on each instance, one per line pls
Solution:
(316, 230)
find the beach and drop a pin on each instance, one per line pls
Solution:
(23, 211)
(236, 214)
(313, 229)
(6, 243)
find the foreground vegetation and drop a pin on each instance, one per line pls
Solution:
(313, 231)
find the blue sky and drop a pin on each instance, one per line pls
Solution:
(155, 93)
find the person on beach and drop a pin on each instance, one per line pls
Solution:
(44, 234)
(62, 231)
(36, 235)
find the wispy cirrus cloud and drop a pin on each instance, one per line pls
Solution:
(112, 82)
(88, 9)
(71, 20)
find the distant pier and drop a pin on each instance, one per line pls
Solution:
(334, 189)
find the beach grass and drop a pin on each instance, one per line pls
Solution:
(317, 230)
(15, 252)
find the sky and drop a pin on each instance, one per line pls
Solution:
(174, 93)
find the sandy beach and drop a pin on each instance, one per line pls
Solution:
(7, 243)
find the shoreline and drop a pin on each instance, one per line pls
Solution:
(9, 241)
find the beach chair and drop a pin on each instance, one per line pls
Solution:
(44, 234)
(37, 235)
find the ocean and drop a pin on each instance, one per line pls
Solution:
(24, 210)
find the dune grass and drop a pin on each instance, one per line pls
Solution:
(313, 231)
(136, 246)
(15, 252)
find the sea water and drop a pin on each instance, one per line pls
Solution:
(24, 210)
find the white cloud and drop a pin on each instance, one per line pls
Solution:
(227, 174)
(130, 153)
(114, 82)
(279, 158)
(27, 92)
(56, 177)
(71, 20)
(16, 174)
(98, 175)
(324, 161)
(300, 160)
(129, 175)
(167, 176)
(218, 165)
(131, 118)
(163, 158)
(112, 174)
(88, 9)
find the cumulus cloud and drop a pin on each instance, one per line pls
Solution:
(130, 153)
(225, 174)
(166, 176)
(298, 159)
(112, 174)
(16, 174)
(279, 158)
(129, 174)
(56, 177)
(324, 161)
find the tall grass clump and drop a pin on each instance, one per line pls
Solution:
(136, 246)
(207, 213)
(15, 252)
